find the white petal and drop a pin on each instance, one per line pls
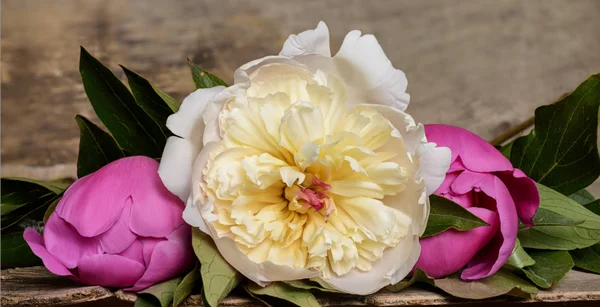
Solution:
(188, 119)
(434, 163)
(308, 42)
(262, 273)
(192, 216)
(395, 264)
(175, 168)
(366, 70)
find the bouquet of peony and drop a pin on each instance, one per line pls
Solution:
(307, 175)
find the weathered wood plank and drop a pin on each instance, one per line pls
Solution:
(36, 286)
(483, 65)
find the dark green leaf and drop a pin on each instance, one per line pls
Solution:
(582, 197)
(296, 296)
(501, 283)
(204, 79)
(594, 206)
(587, 258)
(446, 214)
(561, 152)
(51, 208)
(562, 237)
(506, 149)
(418, 276)
(187, 285)
(163, 291)
(115, 106)
(309, 285)
(149, 99)
(549, 268)
(519, 258)
(218, 277)
(96, 147)
(15, 252)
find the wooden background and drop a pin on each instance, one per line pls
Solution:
(483, 65)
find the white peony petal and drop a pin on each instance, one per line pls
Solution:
(395, 264)
(262, 273)
(175, 168)
(368, 72)
(434, 163)
(189, 117)
(308, 42)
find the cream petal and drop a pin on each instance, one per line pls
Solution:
(395, 264)
(308, 42)
(188, 119)
(366, 70)
(302, 123)
(175, 168)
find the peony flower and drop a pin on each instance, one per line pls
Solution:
(484, 182)
(308, 166)
(117, 227)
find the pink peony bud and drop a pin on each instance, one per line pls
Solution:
(118, 227)
(483, 181)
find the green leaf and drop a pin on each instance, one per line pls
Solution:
(296, 296)
(562, 237)
(506, 149)
(218, 277)
(15, 252)
(204, 79)
(187, 285)
(146, 300)
(582, 197)
(587, 258)
(51, 208)
(163, 291)
(545, 217)
(561, 152)
(519, 258)
(418, 276)
(19, 193)
(549, 268)
(309, 285)
(150, 100)
(115, 106)
(446, 214)
(501, 283)
(96, 147)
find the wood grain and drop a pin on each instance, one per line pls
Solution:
(36, 286)
(481, 64)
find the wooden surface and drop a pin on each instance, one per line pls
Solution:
(37, 287)
(483, 65)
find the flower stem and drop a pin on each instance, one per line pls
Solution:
(512, 132)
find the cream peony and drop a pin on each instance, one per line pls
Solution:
(308, 166)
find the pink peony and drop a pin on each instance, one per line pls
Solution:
(484, 182)
(118, 227)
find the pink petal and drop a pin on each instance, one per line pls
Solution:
(119, 237)
(36, 243)
(445, 186)
(448, 252)
(94, 203)
(134, 252)
(109, 270)
(66, 244)
(493, 256)
(525, 194)
(169, 259)
(468, 181)
(148, 245)
(156, 212)
(476, 154)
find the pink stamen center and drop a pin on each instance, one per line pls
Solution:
(314, 197)
(316, 181)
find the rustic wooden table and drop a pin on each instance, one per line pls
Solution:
(37, 287)
(483, 65)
